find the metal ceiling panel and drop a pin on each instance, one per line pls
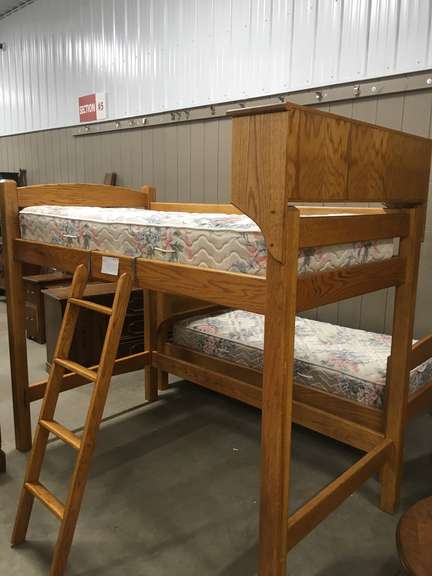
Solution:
(156, 55)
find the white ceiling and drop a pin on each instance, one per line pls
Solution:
(6, 5)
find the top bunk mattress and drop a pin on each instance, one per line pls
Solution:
(230, 242)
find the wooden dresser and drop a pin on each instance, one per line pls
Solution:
(34, 301)
(90, 332)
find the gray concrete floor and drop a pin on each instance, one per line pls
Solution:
(174, 489)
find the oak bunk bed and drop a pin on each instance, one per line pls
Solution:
(282, 155)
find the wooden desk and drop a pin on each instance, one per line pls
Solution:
(414, 539)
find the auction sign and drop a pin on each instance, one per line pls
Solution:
(92, 107)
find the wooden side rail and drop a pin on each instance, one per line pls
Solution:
(320, 288)
(248, 292)
(71, 380)
(223, 288)
(50, 255)
(306, 518)
(233, 384)
(421, 351)
(355, 412)
(331, 229)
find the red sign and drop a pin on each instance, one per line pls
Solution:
(92, 107)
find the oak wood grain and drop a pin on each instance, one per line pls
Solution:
(50, 255)
(225, 288)
(82, 195)
(320, 506)
(414, 539)
(317, 289)
(329, 230)
(15, 313)
(263, 167)
(194, 207)
(277, 401)
(397, 388)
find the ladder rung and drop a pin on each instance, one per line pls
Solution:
(61, 432)
(91, 306)
(46, 497)
(76, 368)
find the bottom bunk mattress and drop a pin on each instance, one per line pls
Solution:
(343, 361)
(230, 242)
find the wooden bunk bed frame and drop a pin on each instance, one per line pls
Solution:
(281, 155)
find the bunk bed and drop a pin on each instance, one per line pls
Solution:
(282, 155)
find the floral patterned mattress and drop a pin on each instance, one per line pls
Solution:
(231, 242)
(344, 361)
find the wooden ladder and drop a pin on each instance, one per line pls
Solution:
(68, 513)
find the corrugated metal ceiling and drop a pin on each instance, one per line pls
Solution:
(157, 55)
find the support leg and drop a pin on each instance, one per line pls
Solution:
(15, 315)
(150, 373)
(277, 404)
(398, 377)
(2, 462)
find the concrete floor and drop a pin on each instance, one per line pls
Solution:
(174, 489)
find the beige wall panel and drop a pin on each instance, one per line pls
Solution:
(197, 162)
(184, 162)
(211, 160)
(146, 157)
(224, 163)
(171, 163)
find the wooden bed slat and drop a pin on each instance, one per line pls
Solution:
(320, 506)
(51, 255)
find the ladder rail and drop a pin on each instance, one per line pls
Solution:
(49, 404)
(93, 420)
(68, 513)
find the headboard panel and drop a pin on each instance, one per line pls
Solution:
(84, 195)
(288, 153)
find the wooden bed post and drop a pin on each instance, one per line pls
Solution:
(15, 316)
(277, 401)
(150, 316)
(150, 372)
(399, 362)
